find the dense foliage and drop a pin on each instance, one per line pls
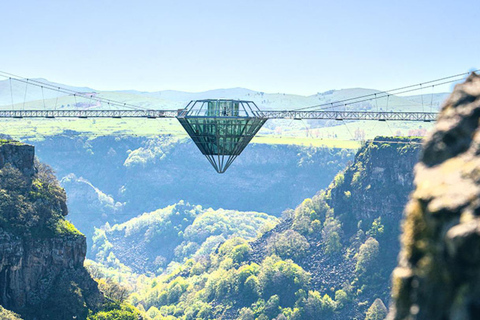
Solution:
(184, 230)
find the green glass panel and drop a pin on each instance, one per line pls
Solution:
(221, 139)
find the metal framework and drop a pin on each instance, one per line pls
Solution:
(285, 114)
(220, 128)
(88, 113)
(352, 115)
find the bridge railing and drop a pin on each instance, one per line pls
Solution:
(312, 115)
(88, 113)
(352, 115)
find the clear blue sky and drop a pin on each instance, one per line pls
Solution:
(298, 46)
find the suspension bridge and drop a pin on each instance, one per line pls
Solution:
(220, 128)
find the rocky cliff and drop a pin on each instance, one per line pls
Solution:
(439, 266)
(377, 183)
(19, 155)
(41, 254)
(347, 235)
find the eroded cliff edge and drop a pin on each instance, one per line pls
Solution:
(438, 274)
(41, 254)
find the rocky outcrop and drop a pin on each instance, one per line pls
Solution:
(33, 272)
(438, 274)
(41, 262)
(19, 155)
(378, 182)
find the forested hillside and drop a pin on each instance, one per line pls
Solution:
(159, 240)
(330, 258)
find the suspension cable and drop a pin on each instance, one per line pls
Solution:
(48, 86)
(11, 92)
(324, 106)
(332, 105)
(383, 94)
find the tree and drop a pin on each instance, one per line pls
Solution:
(272, 307)
(250, 289)
(281, 277)
(115, 315)
(288, 245)
(45, 173)
(366, 256)
(341, 298)
(330, 235)
(313, 305)
(377, 228)
(377, 311)
(246, 314)
(113, 290)
(8, 315)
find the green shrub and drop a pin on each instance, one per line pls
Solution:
(331, 235)
(282, 277)
(116, 311)
(366, 256)
(341, 299)
(377, 311)
(377, 228)
(339, 179)
(288, 245)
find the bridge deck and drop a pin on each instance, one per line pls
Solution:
(153, 114)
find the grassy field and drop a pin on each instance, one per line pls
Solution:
(308, 142)
(37, 129)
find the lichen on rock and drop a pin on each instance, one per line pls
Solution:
(438, 274)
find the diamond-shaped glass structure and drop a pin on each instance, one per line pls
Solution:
(221, 129)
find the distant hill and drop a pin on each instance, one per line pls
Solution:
(35, 97)
(435, 99)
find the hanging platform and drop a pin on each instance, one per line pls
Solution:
(221, 129)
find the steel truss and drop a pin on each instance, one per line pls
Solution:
(88, 114)
(153, 114)
(352, 115)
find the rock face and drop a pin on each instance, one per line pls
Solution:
(438, 275)
(45, 273)
(41, 265)
(19, 155)
(378, 182)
